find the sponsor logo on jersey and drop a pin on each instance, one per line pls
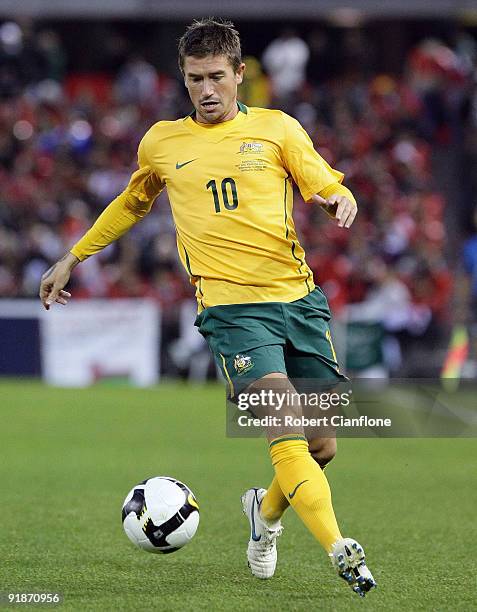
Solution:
(251, 147)
(179, 166)
(242, 364)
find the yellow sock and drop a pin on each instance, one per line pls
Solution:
(274, 503)
(305, 486)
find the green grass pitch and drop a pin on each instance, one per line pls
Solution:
(68, 458)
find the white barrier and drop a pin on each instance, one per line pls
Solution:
(101, 338)
(93, 339)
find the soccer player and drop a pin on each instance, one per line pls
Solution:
(229, 172)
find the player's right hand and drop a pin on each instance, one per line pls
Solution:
(338, 207)
(55, 279)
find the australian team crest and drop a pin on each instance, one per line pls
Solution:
(242, 364)
(251, 147)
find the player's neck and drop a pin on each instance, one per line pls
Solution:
(231, 114)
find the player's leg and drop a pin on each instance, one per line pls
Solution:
(299, 476)
(311, 364)
(233, 333)
(299, 479)
(306, 368)
(323, 450)
(266, 526)
(247, 342)
(347, 556)
(274, 503)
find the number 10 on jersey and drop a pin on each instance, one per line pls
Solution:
(229, 194)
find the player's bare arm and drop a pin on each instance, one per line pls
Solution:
(55, 279)
(339, 207)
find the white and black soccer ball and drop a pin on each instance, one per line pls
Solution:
(160, 515)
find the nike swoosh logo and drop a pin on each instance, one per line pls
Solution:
(179, 166)
(292, 494)
(255, 537)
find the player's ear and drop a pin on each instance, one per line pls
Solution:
(183, 72)
(239, 73)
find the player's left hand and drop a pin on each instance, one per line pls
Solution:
(339, 206)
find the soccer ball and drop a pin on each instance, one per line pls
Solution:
(160, 515)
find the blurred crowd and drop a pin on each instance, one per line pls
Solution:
(68, 144)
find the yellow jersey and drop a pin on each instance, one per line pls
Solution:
(230, 186)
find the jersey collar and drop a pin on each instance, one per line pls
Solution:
(242, 108)
(214, 132)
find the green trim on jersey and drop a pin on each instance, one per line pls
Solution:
(189, 270)
(187, 260)
(293, 244)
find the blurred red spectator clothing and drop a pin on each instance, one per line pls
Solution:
(375, 129)
(93, 88)
(433, 288)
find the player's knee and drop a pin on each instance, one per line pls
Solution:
(324, 451)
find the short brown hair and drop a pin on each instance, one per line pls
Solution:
(211, 36)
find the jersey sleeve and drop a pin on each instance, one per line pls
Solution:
(144, 183)
(124, 211)
(309, 170)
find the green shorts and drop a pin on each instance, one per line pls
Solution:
(249, 341)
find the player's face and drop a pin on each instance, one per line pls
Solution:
(212, 85)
